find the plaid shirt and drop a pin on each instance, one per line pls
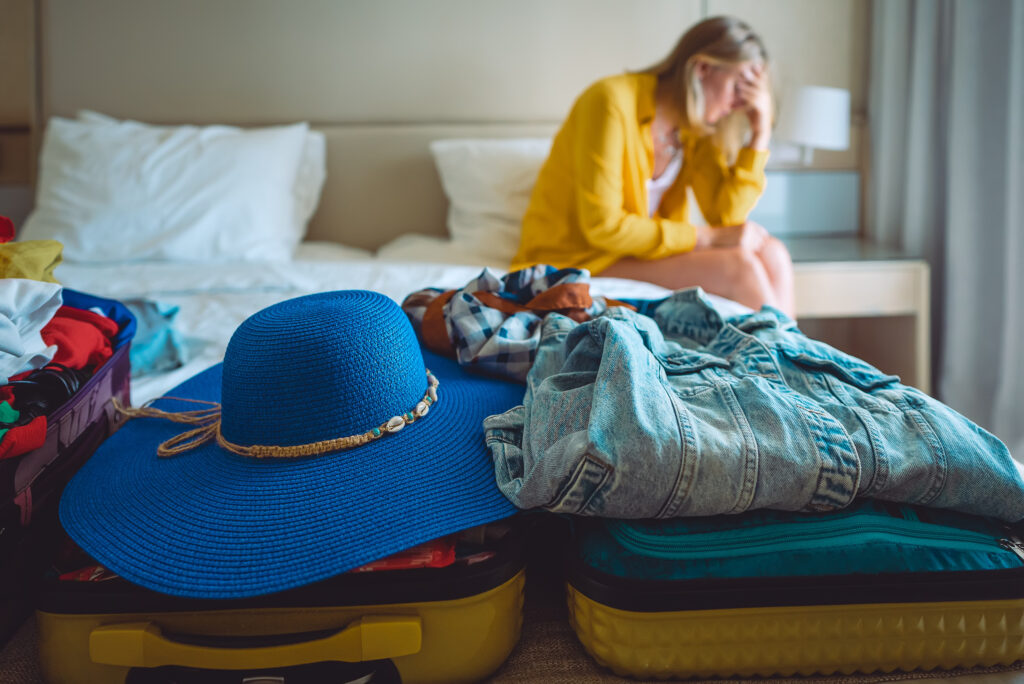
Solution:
(493, 324)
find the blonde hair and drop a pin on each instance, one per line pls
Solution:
(718, 40)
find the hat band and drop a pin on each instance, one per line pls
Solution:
(209, 420)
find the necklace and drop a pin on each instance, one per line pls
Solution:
(668, 140)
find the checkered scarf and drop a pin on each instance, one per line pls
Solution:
(493, 324)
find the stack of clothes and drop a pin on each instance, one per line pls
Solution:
(63, 358)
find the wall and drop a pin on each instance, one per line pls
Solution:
(17, 105)
(359, 61)
(368, 60)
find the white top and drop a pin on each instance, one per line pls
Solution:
(656, 187)
(26, 306)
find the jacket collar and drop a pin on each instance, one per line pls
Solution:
(646, 85)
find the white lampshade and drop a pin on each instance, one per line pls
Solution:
(816, 116)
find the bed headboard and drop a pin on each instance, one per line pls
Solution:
(382, 78)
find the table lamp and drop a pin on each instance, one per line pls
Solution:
(815, 117)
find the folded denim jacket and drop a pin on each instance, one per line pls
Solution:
(685, 413)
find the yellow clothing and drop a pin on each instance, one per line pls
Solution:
(589, 206)
(32, 259)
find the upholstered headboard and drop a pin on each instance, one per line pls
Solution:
(382, 78)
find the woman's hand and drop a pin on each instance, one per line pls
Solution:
(755, 97)
(749, 235)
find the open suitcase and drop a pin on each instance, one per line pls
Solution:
(449, 624)
(875, 587)
(31, 484)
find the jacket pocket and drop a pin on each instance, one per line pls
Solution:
(819, 357)
(585, 482)
(686, 361)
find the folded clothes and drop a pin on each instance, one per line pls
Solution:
(84, 339)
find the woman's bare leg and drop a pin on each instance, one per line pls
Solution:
(777, 264)
(733, 272)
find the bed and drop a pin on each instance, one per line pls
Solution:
(212, 302)
(390, 197)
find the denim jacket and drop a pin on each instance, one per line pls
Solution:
(685, 413)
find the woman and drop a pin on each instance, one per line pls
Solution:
(612, 195)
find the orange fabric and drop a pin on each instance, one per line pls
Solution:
(569, 299)
(433, 330)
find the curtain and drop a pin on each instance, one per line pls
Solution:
(946, 182)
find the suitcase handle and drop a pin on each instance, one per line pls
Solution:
(143, 644)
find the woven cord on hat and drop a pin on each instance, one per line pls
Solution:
(208, 421)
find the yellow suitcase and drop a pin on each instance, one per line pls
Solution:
(876, 587)
(453, 624)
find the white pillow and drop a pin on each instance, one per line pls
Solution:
(488, 183)
(309, 181)
(126, 191)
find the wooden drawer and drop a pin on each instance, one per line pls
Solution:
(861, 288)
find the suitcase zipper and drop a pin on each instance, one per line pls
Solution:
(815, 535)
(1013, 544)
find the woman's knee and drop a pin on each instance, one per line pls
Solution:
(774, 253)
(743, 263)
(779, 266)
(748, 276)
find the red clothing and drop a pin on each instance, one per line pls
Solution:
(82, 337)
(23, 438)
(6, 229)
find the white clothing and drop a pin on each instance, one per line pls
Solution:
(656, 187)
(25, 307)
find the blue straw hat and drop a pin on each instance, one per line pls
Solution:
(332, 446)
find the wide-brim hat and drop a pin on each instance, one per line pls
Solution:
(333, 446)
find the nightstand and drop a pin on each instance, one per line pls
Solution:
(868, 300)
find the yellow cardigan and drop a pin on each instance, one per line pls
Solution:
(589, 205)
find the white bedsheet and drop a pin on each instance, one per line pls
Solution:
(214, 300)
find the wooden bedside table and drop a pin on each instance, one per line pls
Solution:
(868, 300)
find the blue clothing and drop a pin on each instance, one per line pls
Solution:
(685, 413)
(111, 308)
(158, 346)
